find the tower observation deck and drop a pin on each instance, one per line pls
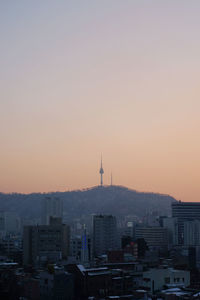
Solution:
(101, 172)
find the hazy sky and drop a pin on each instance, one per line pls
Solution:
(80, 77)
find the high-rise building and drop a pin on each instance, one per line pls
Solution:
(85, 247)
(172, 225)
(105, 235)
(75, 246)
(192, 233)
(185, 211)
(46, 242)
(81, 247)
(155, 237)
(51, 207)
(9, 223)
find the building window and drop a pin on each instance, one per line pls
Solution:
(167, 280)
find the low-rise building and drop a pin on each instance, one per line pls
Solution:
(156, 279)
(56, 284)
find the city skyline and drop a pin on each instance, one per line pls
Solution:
(120, 78)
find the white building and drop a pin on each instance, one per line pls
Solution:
(156, 279)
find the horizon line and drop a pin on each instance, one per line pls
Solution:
(90, 188)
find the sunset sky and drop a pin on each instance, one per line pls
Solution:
(119, 77)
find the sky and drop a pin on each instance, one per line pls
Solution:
(117, 77)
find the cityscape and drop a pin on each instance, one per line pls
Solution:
(99, 150)
(101, 256)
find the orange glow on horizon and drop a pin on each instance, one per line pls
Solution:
(115, 78)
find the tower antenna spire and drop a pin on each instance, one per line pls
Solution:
(101, 172)
(111, 179)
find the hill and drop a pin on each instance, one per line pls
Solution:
(116, 200)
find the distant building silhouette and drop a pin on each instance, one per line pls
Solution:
(155, 237)
(104, 234)
(51, 207)
(9, 223)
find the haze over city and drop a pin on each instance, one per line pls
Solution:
(81, 78)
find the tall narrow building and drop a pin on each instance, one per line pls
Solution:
(101, 172)
(51, 207)
(184, 212)
(104, 234)
(85, 247)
